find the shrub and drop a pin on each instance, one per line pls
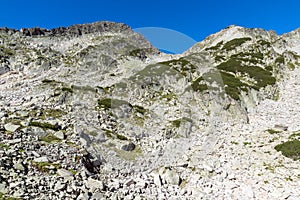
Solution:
(232, 44)
(45, 125)
(290, 149)
(50, 139)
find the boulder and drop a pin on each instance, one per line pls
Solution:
(65, 173)
(11, 127)
(59, 135)
(128, 147)
(169, 176)
(41, 159)
(95, 184)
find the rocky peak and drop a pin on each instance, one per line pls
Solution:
(235, 32)
(74, 30)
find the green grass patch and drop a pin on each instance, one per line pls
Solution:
(129, 155)
(49, 81)
(140, 52)
(85, 88)
(6, 51)
(67, 89)
(280, 60)
(264, 43)
(176, 123)
(72, 171)
(272, 131)
(262, 77)
(140, 109)
(246, 143)
(168, 96)
(290, 149)
(295, 135)
(108, 103)
(198, 86)
(233, 85)
(108, 133)
(46, 113)
(6, 197)
(45, 125)
(291, 66)
(216, 47)
(4, 146)
(49, 138)
(121, 137)
(219, 58)
(44, 166)
(269, 68)
(182, 65)
(232, 44)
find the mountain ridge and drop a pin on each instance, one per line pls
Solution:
(101, 113)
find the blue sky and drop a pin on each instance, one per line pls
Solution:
(197, 19)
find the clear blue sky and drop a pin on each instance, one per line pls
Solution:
(196, 19)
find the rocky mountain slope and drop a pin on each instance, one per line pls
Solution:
(94, 111)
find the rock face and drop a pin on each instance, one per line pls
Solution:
(94, 111)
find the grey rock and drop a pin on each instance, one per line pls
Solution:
(85, 139)
(129, 182)
(4, 69)
(128, 147)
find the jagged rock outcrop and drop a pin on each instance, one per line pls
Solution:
(95, 111)
(74, 30)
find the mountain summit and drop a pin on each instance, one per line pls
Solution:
(95, 111)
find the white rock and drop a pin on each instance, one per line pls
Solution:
(94, 184)
(248, 191)
(59, 186)
(3, 188)
(129, 182)
(35, 154)
(22, 113)
(170, 176)
(19, 166)
(157, 180)
(140, 182)
(38, 131)
(19, 193)
(65, 173)
(41, 159)
(11, 127)
(2, 114)
(82, 196)
(59, 135)
(15, 141)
